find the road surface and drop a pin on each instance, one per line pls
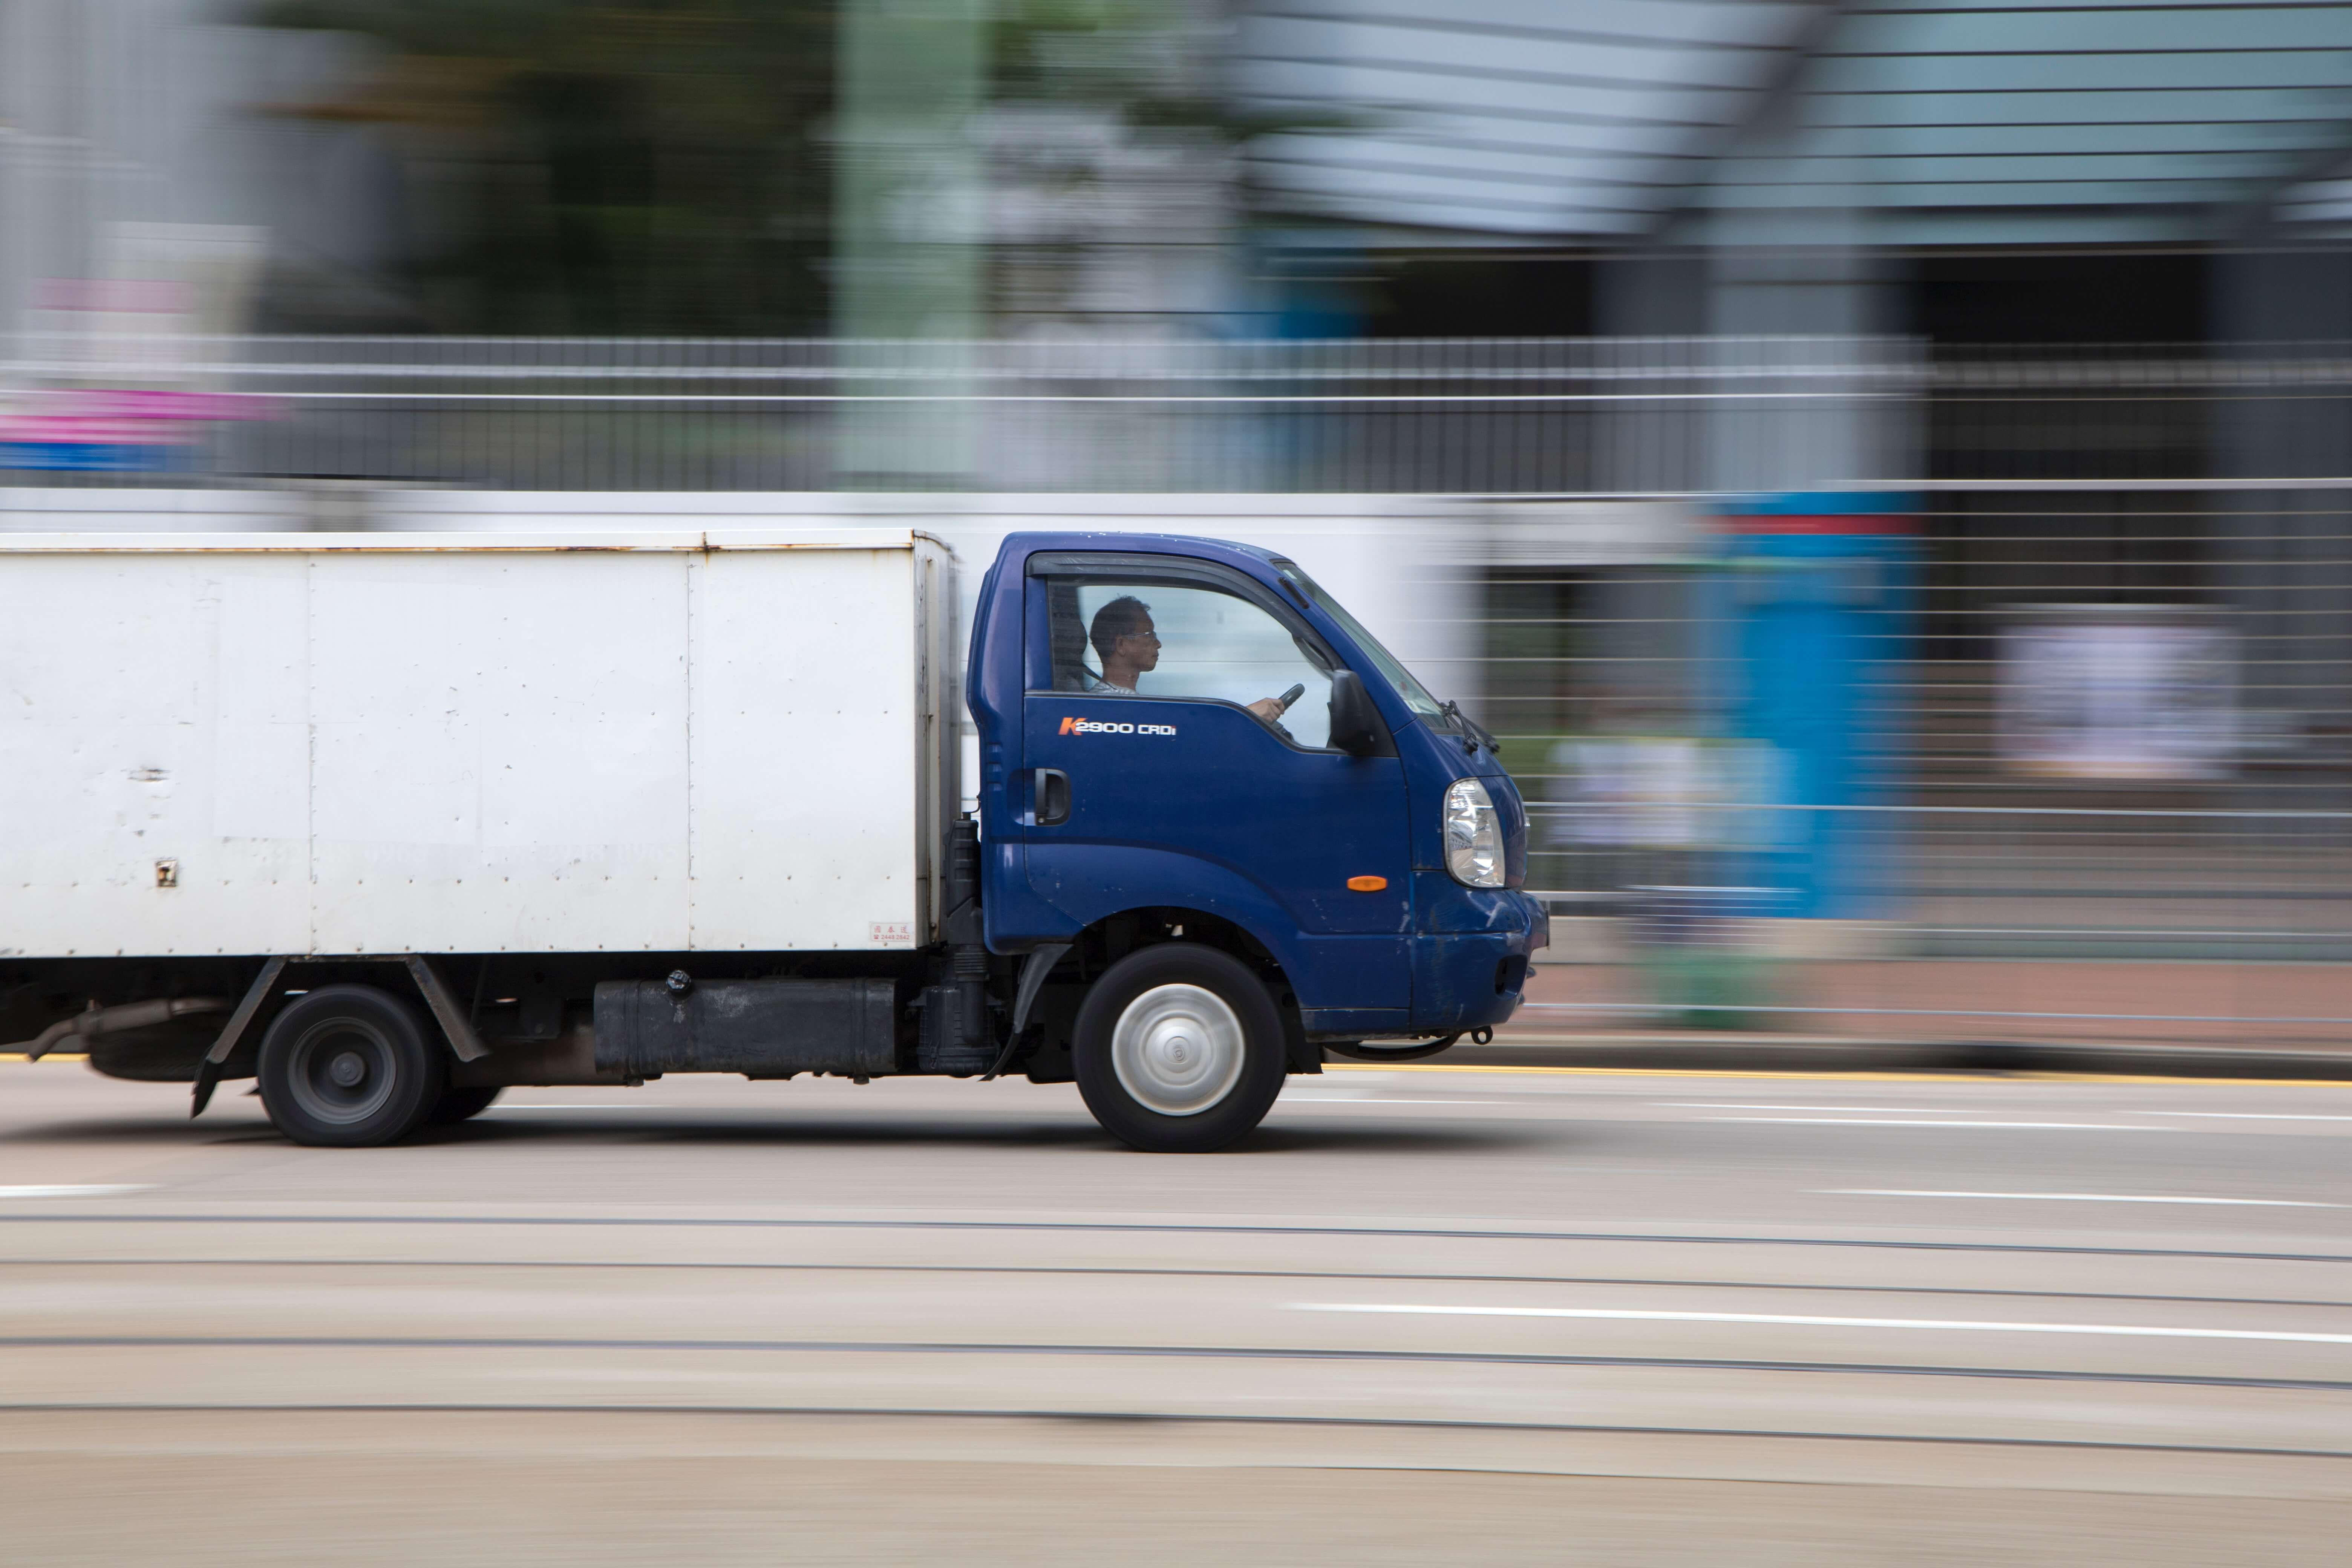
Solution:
(1425, 1315)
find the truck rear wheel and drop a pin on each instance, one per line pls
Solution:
(1178, 1049)
(349, 1067)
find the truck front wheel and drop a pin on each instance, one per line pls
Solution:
(1178, 1049)
(349, 1067)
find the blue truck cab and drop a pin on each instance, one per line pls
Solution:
(1222, 832)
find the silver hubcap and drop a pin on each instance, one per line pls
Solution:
(1178, 1049)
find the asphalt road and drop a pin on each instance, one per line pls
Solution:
(1422, 1316)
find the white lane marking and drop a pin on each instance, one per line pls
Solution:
(96, 1190)
(2082, 1197)
(2248, 1115)
(1795, 1320)
(1896, 1121)
(610, 1108)
(1738, 1105)
(1381, 1099)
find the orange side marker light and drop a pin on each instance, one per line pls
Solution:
(1367, 884)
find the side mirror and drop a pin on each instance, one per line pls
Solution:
(1355, 723)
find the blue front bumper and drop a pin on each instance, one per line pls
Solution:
(1469, 971)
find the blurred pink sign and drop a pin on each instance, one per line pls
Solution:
(121, 418)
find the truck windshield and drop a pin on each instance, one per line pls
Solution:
(1416, 695)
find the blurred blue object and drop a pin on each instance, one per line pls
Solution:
(91, 457)
(1816, 603)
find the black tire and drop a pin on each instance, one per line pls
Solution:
(1164, 1070)
(457, 1105)
(349, 1067)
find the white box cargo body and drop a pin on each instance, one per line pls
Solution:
(377, 743)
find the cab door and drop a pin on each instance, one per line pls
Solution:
(1176, 792)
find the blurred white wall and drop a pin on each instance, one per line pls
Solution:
(118, 112)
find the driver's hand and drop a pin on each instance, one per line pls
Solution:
(1267, 709)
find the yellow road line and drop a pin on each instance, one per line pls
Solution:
(1851, 1077)
(1644, 1072)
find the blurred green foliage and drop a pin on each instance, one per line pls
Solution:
(663, 166)
(590, 166)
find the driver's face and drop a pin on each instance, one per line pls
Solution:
(1142, 647)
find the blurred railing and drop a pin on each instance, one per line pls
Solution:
(2100, 766)
(1600, 415)
(1425, 416)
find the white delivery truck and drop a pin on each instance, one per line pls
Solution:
(391, 821)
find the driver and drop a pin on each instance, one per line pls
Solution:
(1128, 646)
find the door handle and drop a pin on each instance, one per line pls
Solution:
(1052, 801)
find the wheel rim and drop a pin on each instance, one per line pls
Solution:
(341, 1071)
(1178, 1049)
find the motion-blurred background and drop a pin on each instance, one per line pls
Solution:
(1883, 468)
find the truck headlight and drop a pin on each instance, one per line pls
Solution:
(1474, 836)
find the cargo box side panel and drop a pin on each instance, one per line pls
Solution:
(805, 735)
(500, 751)
(153, 755)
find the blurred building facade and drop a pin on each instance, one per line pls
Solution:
(1233, 168)
(1731, 167)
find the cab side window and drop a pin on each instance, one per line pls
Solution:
(1122, 636)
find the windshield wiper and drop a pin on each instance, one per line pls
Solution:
(1474, 734)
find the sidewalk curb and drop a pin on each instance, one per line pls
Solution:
(1752, 1055)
